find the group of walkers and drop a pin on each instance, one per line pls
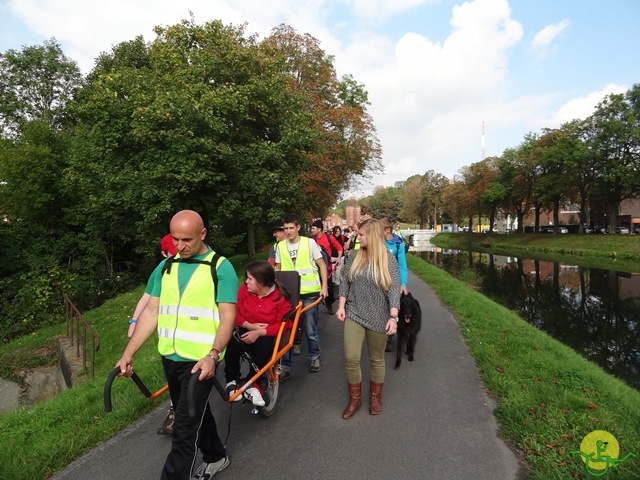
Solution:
(193, 301)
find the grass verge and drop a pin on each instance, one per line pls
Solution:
(548, 396)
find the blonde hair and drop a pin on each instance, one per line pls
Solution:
(375, 256)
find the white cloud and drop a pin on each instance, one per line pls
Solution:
(429, 99)
(582, 107)
(542, 40)
(90, 28)
(381, 9)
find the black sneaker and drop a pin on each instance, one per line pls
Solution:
(167, 426)
(315, 366)
(284, 376)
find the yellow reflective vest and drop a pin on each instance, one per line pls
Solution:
(309, 275)
(188, 323)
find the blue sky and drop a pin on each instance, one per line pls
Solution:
(435, 69)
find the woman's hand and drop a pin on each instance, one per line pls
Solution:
(252, 335)
(341, 314)
(392, 326)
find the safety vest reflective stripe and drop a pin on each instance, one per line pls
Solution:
(193, 312)
(186, 336)
(305, 271)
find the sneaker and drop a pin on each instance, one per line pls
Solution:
(254, 395)
(231, 389)
(208, 470)
(296, 349)
(167, 425)
(284, 376)
(330, 310)
(315, 365)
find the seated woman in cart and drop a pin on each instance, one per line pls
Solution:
(262, 304)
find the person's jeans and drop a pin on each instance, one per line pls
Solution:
(310, 322)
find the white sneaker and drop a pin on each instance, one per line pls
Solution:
(254, 395)
(231, 389)
(208, 470)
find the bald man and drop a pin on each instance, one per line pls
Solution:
(194, 319)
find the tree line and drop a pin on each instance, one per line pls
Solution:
(204, 117)
(584, 162)
(243, 131)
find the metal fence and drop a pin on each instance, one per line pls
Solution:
(81, 334)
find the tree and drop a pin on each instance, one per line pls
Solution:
(31, 168)
(346, 144)
(581, 166)
(518, 172)
(423, 197)
(478, 178)
(554, 151)
(35, 85)
(385, 202)
(207, 118)
(616, 144)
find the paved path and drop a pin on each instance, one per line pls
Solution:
(437, 421)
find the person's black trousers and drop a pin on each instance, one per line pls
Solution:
(261, 350)
(189, 433)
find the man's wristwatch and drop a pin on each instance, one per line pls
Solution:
(212, 357)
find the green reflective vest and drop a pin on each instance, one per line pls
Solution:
(309, 275)
(188, 323)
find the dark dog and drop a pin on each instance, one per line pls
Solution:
(409, 322)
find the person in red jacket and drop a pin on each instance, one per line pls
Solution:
(261, 305)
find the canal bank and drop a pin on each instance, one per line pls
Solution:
(549, 397)
(595, 251)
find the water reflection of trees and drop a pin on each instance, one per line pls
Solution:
(593, 311)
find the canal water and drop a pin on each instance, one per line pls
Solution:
(595, 312)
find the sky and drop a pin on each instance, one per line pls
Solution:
(448, 81)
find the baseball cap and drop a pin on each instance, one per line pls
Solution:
(278, 225)
(166, 244)
(318, 224)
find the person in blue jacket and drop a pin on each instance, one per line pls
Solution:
(395, 244)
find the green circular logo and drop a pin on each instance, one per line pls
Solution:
(600, 451)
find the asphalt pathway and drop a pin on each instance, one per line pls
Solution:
(437, 421)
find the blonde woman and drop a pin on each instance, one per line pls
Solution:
(368, 306)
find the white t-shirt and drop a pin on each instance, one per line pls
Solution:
(314, 250)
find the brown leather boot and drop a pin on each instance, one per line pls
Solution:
(355, 396)
(375, 398)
